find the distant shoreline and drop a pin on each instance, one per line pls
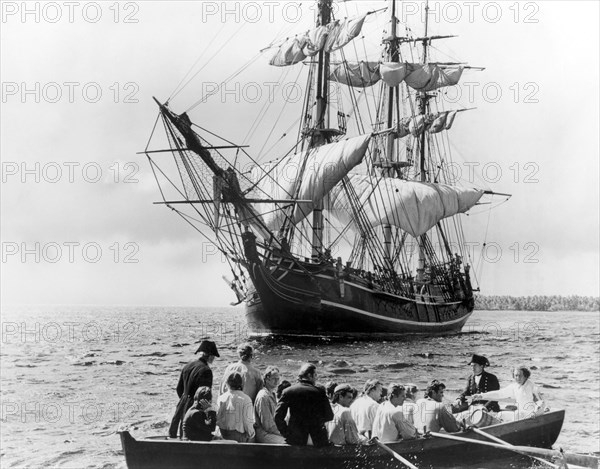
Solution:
(537, 303)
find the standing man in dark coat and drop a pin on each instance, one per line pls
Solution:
(309, 410)
(193, 375)
(477, 382)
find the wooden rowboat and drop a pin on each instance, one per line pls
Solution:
(161, 452)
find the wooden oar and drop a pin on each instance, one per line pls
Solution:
(404, 461)
(580, 460)
(508, 445)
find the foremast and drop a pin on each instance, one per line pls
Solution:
(226, 185)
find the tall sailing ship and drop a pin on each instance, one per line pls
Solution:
(350, 232)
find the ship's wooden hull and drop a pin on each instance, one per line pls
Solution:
(292, 298)
(161, 452)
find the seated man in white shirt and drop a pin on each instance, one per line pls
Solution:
(389, 423)
(431, 414)
(342, 429)
(364, 408)
(529, 402)
(235, 414)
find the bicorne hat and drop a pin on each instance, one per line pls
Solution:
(209, 347)
(479, 360)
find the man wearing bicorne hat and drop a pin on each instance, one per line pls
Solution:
(480, 381)
(193, 375)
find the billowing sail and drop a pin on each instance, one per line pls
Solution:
(394, 73)
(357, 74)
(290, 52)
(329, 38)
(343, 32)
(420, 77)
(415, 207)
(306, 177)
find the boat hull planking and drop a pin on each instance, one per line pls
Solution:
(162, 452)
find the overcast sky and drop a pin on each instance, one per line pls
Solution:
(78, 223)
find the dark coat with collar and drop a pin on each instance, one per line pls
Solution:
(488, 382)
(309, 410)
(193, 375)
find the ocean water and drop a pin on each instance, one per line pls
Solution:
(71, 377)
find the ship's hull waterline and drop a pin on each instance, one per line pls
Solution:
(316, 301)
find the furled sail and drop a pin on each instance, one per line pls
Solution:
(434, 123)
(306, 177)
(442, 121)
(329, 38)
(357, 74)
(415, 207)
(420, 77)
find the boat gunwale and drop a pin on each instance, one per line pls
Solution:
(407, 445)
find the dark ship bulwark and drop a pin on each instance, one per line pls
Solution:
(291, 297)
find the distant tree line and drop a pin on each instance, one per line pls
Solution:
(537, 303)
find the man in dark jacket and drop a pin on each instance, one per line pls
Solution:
(193, 375)
(309, 410)
(480, 381)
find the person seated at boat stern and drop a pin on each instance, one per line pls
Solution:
(342, 429)
(480, 381)
(309, 410)
(235, 414)
(251, 376)
(364, 408)
(264, 409)
(390, 423)
(200, 421)
(193, 375)
(529, 401)
(431, 414)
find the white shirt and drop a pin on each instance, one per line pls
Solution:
(527, 396)
(251, 378)
(236, 412)
(389, 424)
(363, 412)
(434, 416)
(342, 429)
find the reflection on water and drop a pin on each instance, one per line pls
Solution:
(72, 376)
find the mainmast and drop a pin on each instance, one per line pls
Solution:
(322, 73)
(423, 105)
(319, 134)
(388, 168)
(424, 98)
